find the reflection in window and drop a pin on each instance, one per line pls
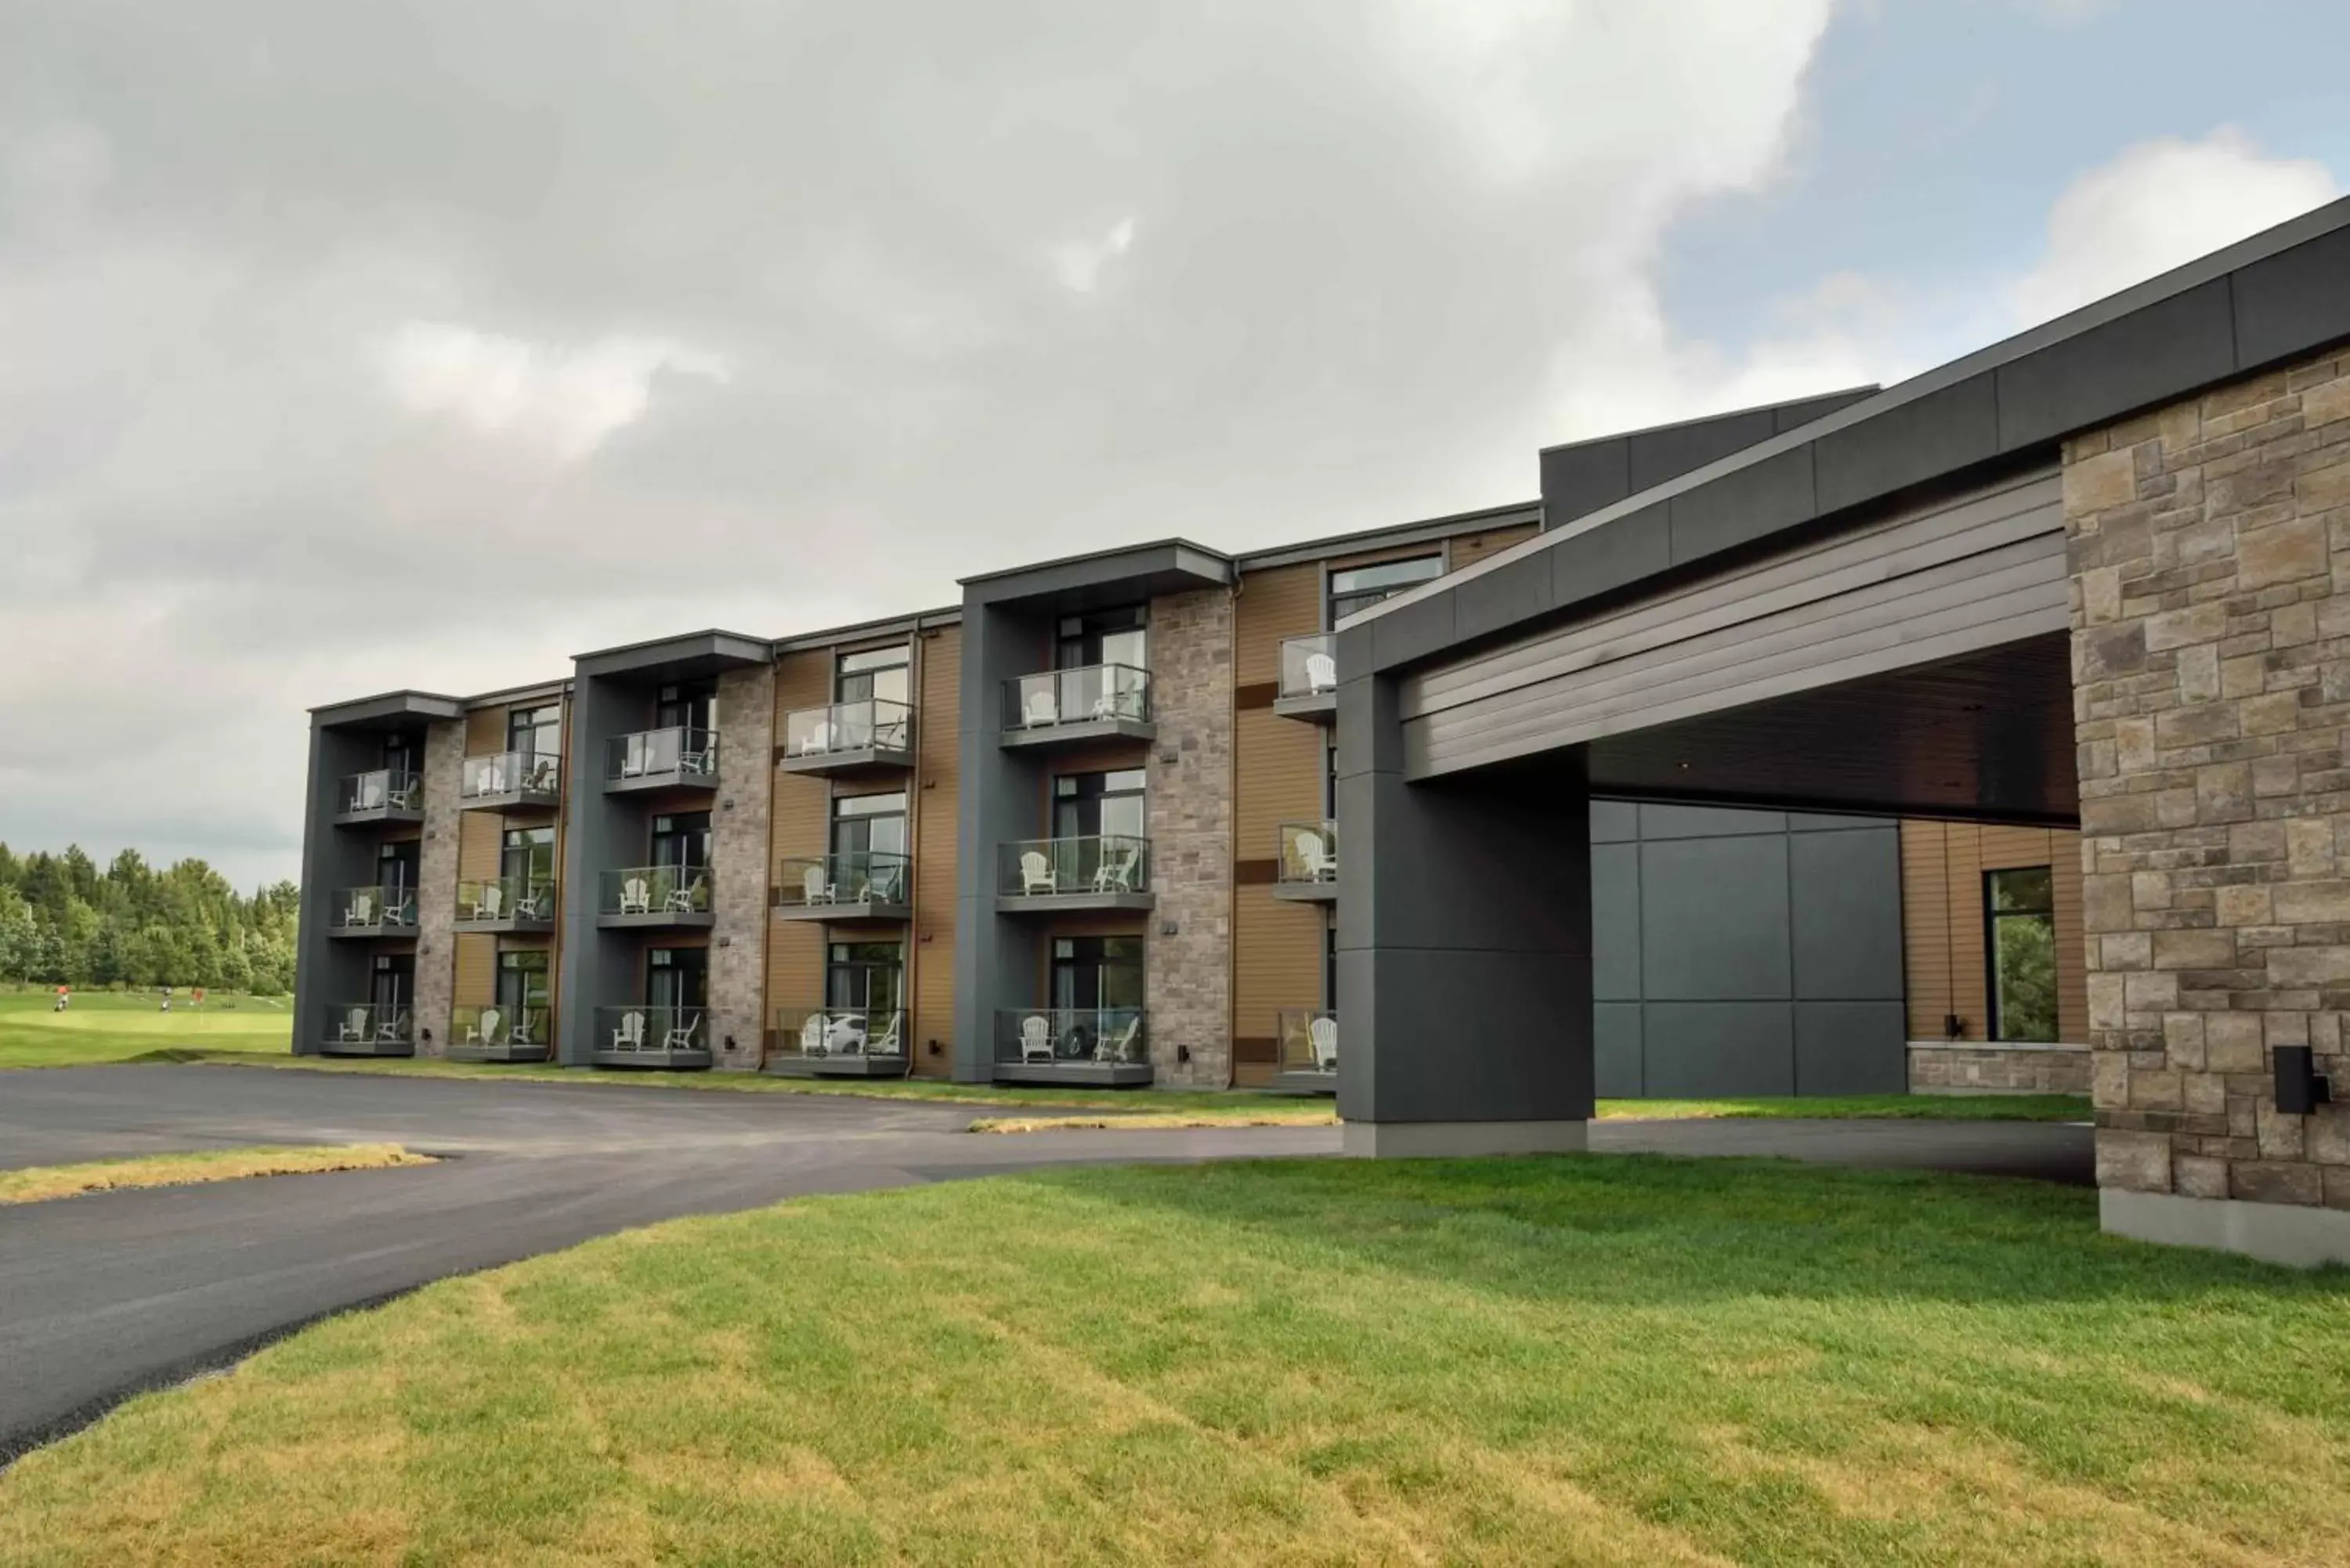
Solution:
(2023, 954)
(1359, 588)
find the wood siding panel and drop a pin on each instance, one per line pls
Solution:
(485, 735)
(799, 823)
(1280, 773)
(1926, 927)
(938, 725)
(1470, 548)
(1281, 603)
(1277, 958)
(480, 834)
(475, 983)
(1944, 915)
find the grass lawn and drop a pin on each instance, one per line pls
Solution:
(1625, 1360)
(38, 1183)
(102, 1026)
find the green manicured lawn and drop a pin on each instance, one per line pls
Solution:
(1613, 1360)
(104, 1026)
(42, 1183)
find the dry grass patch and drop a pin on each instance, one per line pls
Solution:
(42, 1182)
(1305, 1115)
(1544, 1361)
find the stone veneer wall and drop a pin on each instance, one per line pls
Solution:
(1188, 980)
(2211, 559)
(436, 886)
(1999, 1070)
(738, 937)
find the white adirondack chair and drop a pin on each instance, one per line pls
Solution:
(817, 740)
(1321, 673)
(489, 901)
(363, 909)
(814, 888)
(1037, 872)
(370, 792)
(697, 751)
(1116, 872)
(686, 898)
(682, 1029)
(1316, 859)
(389, 1026)
(483, 1031)
(630, 1035)
(813, 1040)
(635, 896)
(532, 903)
(354, 1026)
(1035, 1038)
(1037, 707)
(403, 795)
(1120, 1046)
(890, 1044)
(1324, 1035)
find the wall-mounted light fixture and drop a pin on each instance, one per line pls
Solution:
(2301, 1088)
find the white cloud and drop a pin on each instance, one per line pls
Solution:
(1078, 265)
(565, 404)
(2158, 205)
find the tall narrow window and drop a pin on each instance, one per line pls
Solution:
(1360, 587)
(876, 673)
(1107, 805)
(2022, 916)
(677, 977)
(1105, 636)
(681, 838)
(528, 854)
(874, 823)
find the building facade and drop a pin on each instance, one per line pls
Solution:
(1080, 827)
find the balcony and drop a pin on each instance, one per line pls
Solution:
(848, 738)
(668, 759)
(1102, 1046)
(510, 780)
(1042, 875)
(1308, 1041)
(367, 1029)
(380, 795)
(373, 912)
(654, 898)
(1306, 869)
(839, 1043)
(643, 1035)
(506, 905)
(1062, 707)
(1308, 687)
(498, 1035)
(863, 885)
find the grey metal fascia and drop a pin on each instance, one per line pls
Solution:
(1844, 395)
(374, 710)
(714, 648)
(1425, 531)
(833, 636)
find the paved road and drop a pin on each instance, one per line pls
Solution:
(104, 1295)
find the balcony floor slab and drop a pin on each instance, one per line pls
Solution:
(1314, 707)
(659, 921)
(1299, 1083)
(369, 933)
(861, 759)
(512, 800)
(509, 1053)
(846, 1065)
(658, 783)
(1096, 1074)
(367, 1048)
(652, 1057)
(506, 926)
(379, 815)
(1080, 732)
(856, 909)
(1072, 903)
(1307, 892)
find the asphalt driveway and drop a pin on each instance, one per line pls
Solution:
(104, 1295)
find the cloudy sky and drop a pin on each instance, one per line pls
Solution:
(350, 346)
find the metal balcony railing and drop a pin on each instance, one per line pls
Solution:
(374, 909)
(1057, 697)
(509, 773)
(819, 1033)
(382, 789)
(1047, 1036)
(1307, 852)
(655, 754)
(497, 1026)
(1309, 665)
(654, 890)
(853, 877)
(486, 898)
(635, 1028)
(874, 724)
(1040, 867)
(1308, 1039)
(367, 1023)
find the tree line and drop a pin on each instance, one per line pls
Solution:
(65, 922)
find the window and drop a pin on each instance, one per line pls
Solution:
(535, 731)
(528, 853)
(402, 753)
(864, 974)
(681, 838)
(677, 977)
(684, 706)
(2021, 910)
(1360, 587)
(393, 982)
(395, 865)
(869, 822)
(1098, 973)
(1106, 805)
(1106, 636)
(878, 672)
(522, 982)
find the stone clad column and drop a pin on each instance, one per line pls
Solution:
(1188, 978)
(2211, 562)
(738, 938)
(436, 886)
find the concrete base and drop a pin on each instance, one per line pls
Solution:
(2287, 1233)
(1438, 1140)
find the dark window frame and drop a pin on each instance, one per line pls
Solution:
(1996, 1031)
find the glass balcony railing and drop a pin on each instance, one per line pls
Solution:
(498, 1026)
(654, 890)
(1056, 697)
(815, 1032)
(856, 877)
(505, 898)
(874, 724)
(375, 909)
(382, 789)
(369, 1024)
(1045, 867)
(1309, 665)
(653, 1030)
(1308, 1038)
(653, 755)
(1061, 1036)
(509, 773)
(1308, 853)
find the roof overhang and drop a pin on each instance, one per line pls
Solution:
(1106, 578)
(692, 657)
(392, 710)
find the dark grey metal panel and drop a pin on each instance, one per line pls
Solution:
(1464, 1036)
(1126, 574)
(1607, 558)
(1706, 821)
(1614, 821)
(1503, 598)
(1581, 477)
(692, 656)
(1426, 627)
(1657, 455)
(1615, 922)
(2287, 303)
(392, 710)
(1713, 918)
(1845, 898)
(601, 832)
(1695, 1050)
(1851, 1048)
(326, 972)
(2134, 361)
(1828, 822)
(1908, 444)
(1764, 496)
(1584, 477)
(1616, 1050)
